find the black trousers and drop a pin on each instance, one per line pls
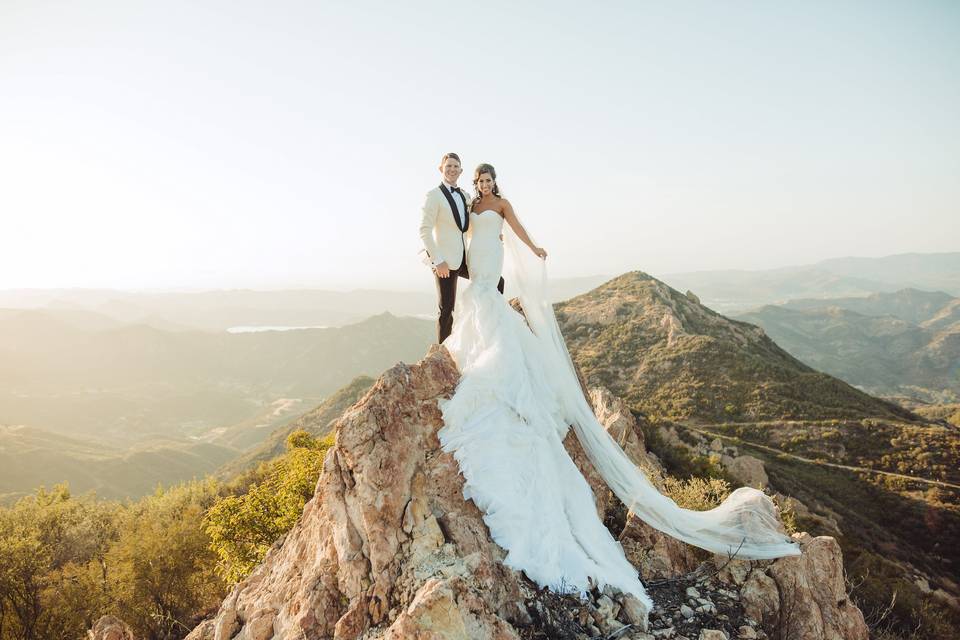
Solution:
(447, 294)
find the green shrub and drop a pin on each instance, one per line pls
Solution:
(243, 527)
(697, 493)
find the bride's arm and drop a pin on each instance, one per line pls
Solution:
(514, 223)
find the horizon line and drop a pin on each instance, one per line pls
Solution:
(335, 289)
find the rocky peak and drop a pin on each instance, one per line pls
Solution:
(639, 298)
(388, 548)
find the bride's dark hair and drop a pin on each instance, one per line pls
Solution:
(479, 171)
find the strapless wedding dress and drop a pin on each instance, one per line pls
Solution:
(518, 395)
(505, 427)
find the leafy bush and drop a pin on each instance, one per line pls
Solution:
(697, 493)
(66, 560)
(162, 563)
(162, 572)
(47, 542)
(243, 527)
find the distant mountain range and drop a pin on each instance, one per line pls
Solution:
(726, 291)
(905, 343)
(217, 310)
(318, 422)
(119, 408)
(733, 291)
(124, 382)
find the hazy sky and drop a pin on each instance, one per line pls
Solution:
(205, 144)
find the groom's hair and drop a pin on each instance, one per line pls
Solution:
(447, 156)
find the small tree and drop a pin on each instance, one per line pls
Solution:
(48, 541)
(162, 571)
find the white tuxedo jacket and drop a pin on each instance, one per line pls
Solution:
(443, 237)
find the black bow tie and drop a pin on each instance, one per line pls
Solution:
(457, 189)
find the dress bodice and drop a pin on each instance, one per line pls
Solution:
(485, 253)
(486, 224)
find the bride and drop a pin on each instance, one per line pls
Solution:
(507, 419)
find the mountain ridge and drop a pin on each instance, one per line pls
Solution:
(739, 290)
(685, 360)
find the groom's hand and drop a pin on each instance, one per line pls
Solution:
(443, 270)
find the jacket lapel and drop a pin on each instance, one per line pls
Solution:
(453, 208)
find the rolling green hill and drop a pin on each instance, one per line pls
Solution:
(31, 457)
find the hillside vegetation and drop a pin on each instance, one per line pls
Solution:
(162, 563)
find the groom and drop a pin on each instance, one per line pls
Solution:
(444, 229)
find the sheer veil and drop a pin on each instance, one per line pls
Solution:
(745, 524)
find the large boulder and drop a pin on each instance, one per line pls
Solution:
(449, 608)
(655, 554)
(110, 628)
(747, 470)
(616, 417)
(799, 597)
